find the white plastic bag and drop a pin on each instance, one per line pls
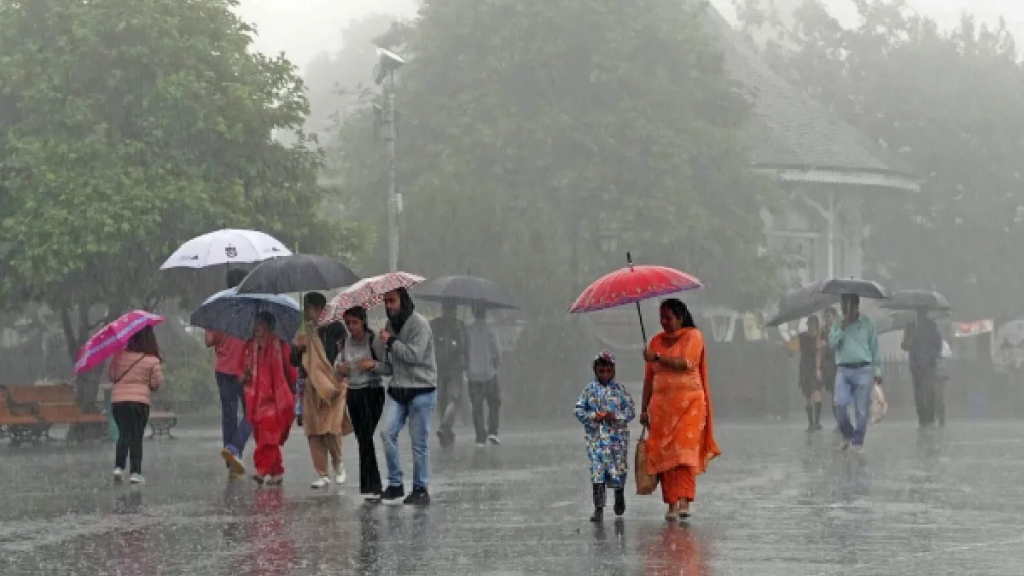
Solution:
(879, 406)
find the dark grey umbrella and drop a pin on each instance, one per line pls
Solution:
(901, 319)
(916, 299)
(802, 302)
(854, 286)
(467, 290)
(297, 273)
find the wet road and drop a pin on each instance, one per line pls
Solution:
(775, 503)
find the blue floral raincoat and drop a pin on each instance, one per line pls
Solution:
(607, 442)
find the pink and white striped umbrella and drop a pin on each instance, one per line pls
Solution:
(112, 338)
(368, 292)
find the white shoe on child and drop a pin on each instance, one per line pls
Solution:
(321, 483)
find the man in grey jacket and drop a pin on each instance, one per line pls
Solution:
(412, 394)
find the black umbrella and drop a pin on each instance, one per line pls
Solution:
(916, 299)
(853, 286)
(297, 273)
(903, 318)
(802, 302)
(467, 290)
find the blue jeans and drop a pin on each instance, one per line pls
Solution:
(853, 386)
(418, 412)
(235, 432)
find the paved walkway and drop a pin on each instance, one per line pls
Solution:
(777, 502)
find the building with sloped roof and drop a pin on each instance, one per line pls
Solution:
(829, 169)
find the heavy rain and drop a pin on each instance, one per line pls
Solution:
(503, 287)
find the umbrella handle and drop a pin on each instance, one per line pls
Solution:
(643, 332)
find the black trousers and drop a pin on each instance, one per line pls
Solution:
(924, 395)
(480, 392)
(449, 393)
(131, 419)
(365, 406)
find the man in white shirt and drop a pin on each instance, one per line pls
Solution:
(482, 373)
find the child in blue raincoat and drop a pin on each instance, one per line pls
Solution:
(605, 410)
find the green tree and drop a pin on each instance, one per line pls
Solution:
(130, 126)
(527, 129)
(947, 101)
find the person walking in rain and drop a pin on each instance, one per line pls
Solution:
(855, 342)
(451, 350)
(269, 401)
(828, 361)
(230, 352)
(135, 373)
(924, 343)
(605, 409)
(809, 345)
(482, 373)
(412, 394)
(323, 393)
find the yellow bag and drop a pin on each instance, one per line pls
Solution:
(646, 483)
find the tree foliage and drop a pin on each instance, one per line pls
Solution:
(529, 130)
(950, 103)
(130, 126)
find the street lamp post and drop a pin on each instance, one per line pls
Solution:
(388, 63)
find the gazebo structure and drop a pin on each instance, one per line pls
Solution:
(829, 169)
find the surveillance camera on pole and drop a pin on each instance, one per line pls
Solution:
(387, 63)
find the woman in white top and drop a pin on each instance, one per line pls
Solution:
(360, 351)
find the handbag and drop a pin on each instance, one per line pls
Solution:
(646, 483)
(879, 405)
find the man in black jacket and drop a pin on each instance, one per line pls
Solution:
(923, 341)
(450, 348)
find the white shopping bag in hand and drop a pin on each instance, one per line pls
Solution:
(879, 406)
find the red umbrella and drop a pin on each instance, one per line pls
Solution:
(632, 285)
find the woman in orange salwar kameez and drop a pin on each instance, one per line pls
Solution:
(677, 408)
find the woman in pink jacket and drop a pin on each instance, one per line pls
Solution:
(135, 373)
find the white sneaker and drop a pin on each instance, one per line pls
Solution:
(858, 448)
(118, 475)
(321, 483)
(339, 475)
(137, 479)
(493, 439)
(481, 445)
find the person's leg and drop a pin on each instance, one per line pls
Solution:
(139, 419)
(862, 381)
(394, 418)
(916, 378)
(928, 380)
(476, 398)
(243, 428)
(333, 442)
(493, 406)
(940, 400)
(362, 428)
(600, 499)
(843, 400)
(318, 454)
(817, 414)
(421, 410)
(444, 398)
(121, 416)
(228, 408)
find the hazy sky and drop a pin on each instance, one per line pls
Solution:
(304, 28)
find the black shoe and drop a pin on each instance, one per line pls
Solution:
(419, 497)
(393, 494)
(598, 515)
(620, 502)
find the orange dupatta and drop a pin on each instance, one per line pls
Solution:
(681, 420)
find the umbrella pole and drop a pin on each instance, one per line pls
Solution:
(643, 332)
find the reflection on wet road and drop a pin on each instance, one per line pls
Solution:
(777, 502)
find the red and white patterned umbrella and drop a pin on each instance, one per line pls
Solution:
(368, 292)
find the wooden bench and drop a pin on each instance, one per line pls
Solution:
(20, 422)
(161, 419)
(57, 404)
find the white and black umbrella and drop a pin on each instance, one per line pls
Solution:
(226, 246)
